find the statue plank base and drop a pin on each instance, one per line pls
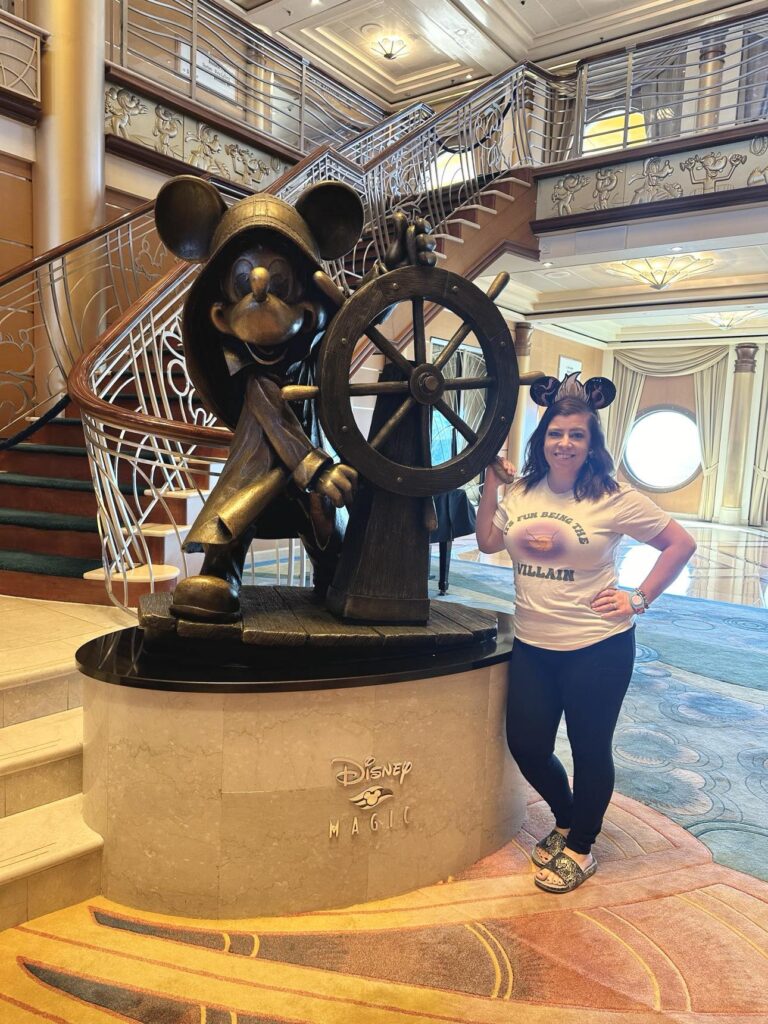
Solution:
(290, 617)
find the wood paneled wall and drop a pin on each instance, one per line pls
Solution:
(16, 222)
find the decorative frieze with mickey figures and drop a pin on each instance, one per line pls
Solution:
(704, 171)
(171, 133)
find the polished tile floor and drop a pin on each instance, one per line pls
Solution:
(731, 564)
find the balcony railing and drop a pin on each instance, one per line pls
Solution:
(711, 79)
(683, 87)
(201, 52)
(20, 45)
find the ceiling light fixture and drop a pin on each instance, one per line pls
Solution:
(661, 271)
(728, 320)
(389, 47)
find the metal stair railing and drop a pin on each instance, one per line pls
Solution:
(55, 306)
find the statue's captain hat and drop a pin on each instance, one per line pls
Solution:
(195, 224)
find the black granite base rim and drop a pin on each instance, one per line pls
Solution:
(124, 658)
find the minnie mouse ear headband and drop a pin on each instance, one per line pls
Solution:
(597, 392)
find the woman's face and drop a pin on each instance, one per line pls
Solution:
(566, 443)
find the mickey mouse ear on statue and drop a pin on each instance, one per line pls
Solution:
(544, 390)
(334, 213)
(187, 212)
(600, 392)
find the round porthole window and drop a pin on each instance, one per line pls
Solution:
(663, 451)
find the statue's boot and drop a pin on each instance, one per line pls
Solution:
(206, 599)
(214, 595)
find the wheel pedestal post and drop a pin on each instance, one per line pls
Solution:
(384, 566)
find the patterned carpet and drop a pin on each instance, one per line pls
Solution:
(692, 740)
(659, 933)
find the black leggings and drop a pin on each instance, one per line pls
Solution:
(589, 685)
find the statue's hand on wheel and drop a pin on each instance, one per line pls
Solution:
(412, 245)
(338, 484)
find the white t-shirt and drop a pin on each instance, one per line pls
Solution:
(564, 553)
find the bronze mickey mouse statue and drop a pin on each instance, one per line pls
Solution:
(252, 323)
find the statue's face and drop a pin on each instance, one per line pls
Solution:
(265, 305)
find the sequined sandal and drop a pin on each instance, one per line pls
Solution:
(551, 844)
(569, 871)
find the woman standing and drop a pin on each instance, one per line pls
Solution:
(561, 522)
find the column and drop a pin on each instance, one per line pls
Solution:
(711, 64)
(738, 428)
(523, 333)
(68, 178)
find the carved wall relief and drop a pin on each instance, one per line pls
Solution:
(171, 133)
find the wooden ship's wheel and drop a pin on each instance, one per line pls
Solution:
(424, 385)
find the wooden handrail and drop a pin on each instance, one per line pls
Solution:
(80, 391)
(89, 236)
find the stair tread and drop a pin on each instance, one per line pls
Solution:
(55, 482)
(49, 449)
(43, 837)
(41, 741)
(47, 565)
(47, 520)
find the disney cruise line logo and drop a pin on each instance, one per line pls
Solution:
(380, 783)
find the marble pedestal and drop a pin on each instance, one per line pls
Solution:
(239, 804)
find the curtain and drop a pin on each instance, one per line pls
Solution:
(472, 408)
(758, 499)
(753, 92)
(709, 388)
(659, 83)
(709, 367)
(629, 385)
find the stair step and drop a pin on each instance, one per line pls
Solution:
(47, 565)
(44, 459)
(498, 194)
(50, 449)
(47, 520)
(41, 761)
(28, 694)
(49, 533)
(49, 859)
(78, 591)
(62, 430)
(49, 493)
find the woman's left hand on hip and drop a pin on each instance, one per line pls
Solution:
(612, 603)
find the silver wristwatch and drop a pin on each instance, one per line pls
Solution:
(638, 601)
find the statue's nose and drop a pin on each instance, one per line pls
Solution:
(259, 283)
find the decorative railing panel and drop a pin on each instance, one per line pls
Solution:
(198, 50)
(20, 45)
(52, 310)
(682, 87)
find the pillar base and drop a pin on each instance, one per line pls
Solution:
(731, 516)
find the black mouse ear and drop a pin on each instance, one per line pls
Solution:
(187, 212)
(544, 389)
(334, 213)
(600, 392)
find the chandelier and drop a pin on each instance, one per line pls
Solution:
(727, 321)
(389, 47)
(660, 271)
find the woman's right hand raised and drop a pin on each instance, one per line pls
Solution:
(500, 471)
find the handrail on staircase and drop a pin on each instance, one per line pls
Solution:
(55, 305)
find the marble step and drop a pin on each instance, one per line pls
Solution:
(49, 859)
(41, 761)
(29, 692)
